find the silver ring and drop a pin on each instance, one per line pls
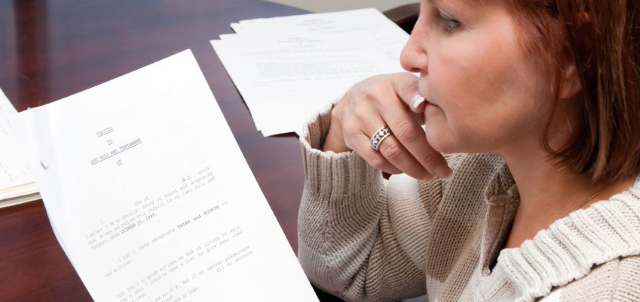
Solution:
(379, 136)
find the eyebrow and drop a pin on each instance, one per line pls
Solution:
(470, 3)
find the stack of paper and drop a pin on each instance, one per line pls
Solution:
(150, 197)
(287, 68)
(16, 184)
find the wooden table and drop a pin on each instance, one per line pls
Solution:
(52, 49)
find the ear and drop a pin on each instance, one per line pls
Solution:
(570, 81)
(571, 84)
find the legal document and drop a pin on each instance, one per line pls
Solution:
(16, 184)
(150, 196)
(287, 68)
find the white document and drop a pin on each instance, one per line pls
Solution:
(151, 197)
(367, 21)
(370, 23)
(288, 68)
(284, 82)
(16, 184)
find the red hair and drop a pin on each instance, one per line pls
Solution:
(602, 38)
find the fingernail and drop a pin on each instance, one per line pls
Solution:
(417, 101)
(442, 171)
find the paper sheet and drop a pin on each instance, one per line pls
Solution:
(151, 196)
(16, 183)
(288, 68)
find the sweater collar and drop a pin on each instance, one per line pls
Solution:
(564, 252)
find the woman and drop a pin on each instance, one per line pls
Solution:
(536, 105)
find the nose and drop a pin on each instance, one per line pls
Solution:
(414, 54)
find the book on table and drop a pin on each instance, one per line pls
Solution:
(149, 194)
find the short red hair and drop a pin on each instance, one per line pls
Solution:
(602, 37)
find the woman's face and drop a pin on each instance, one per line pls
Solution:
(485, 93)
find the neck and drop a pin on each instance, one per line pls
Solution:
(545, 189)
(548, 193)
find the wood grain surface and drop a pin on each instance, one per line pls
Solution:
(53, 49)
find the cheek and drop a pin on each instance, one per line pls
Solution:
(487, 95)
(460, 86)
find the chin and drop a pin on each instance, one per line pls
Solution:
(438, 132)
(440, 143)
(448, 144)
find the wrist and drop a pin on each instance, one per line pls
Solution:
(334, 141)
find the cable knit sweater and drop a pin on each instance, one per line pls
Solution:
(364, 238)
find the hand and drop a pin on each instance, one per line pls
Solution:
(386, 100)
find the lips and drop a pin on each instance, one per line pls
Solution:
(428, 102)
(424, 92)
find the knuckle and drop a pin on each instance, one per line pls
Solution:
(391, 149)
(406, 85)
(361, 113)
(371, 95)
(406, 132)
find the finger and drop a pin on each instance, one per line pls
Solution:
(390, 149)
(361, 145)
(393, 151)
(409, 133)
(357, 133)
(406, 87)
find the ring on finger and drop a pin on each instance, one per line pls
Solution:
(379, 136)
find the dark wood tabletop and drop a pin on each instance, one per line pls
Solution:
(53, 49)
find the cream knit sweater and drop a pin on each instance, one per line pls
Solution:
(367, 239)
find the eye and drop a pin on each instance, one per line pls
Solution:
(449, 23)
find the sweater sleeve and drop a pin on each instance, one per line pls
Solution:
(361, 237)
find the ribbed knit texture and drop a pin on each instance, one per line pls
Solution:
(367, 239)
